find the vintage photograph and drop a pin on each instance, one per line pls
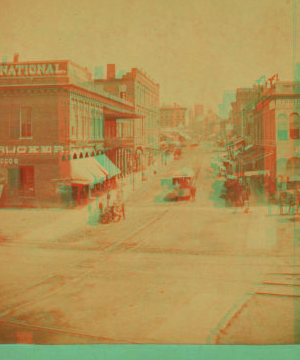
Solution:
(150, 172)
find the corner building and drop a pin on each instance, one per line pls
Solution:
(52, 134)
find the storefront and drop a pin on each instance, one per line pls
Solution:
(26, 180)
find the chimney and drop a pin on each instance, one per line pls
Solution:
(111, 71)
(16, 57)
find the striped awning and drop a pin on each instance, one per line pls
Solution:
(82, 171)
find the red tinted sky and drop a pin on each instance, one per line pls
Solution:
(194, 48)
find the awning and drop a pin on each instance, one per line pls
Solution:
(95, 168)
(113, 114)
(281, 178)
(108, 165)
(257, 172)
(253, 154)
(235, 141)
(186, 172)
(81, 171)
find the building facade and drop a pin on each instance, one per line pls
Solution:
(172, 116)
(137, 87)
(53, 127)
(271, 127)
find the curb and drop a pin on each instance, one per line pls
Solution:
(213, 338)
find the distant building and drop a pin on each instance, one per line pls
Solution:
(172, 116)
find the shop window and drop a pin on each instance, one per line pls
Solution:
(294, 126)
(282, 128)
(26, 122)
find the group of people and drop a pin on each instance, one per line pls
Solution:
(237, 194)
(112, 212)
(292, 200)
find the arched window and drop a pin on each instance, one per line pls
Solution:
(294, 126)
(75, 156)
(87, 155)
(69, 157)
(93, 154)
(81, 156)
(63, 158)
(282, 127)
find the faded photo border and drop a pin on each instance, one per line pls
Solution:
(168, 352)
(149, 352)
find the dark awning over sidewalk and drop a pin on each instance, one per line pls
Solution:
(110, 114)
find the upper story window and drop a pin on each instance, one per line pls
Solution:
(282, 127)
(294, 126)
(26, 122)
(20, 123)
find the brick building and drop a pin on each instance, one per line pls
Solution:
(138, 88)
(54, 147)
(271, 125)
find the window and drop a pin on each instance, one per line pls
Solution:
(14, 123)
(20, 122)
(294, 126)
(25, 121)
(282, 128)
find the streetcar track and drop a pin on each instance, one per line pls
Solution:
(81, 276)
(63, 332)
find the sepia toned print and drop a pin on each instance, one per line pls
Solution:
(150, 172)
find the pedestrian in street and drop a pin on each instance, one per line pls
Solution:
(247, 199)
(108, 198)
(192, 191)
(280, 202)
(100, 206)
(297, 201)
(292, 202)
